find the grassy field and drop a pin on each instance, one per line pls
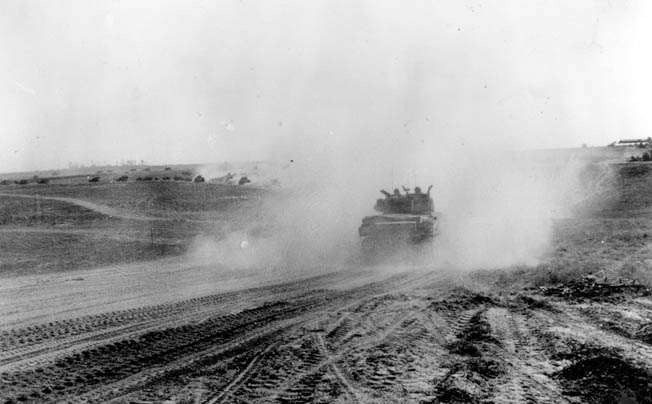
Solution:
(609, 236)
(125, 222)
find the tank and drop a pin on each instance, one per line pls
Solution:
(405, 220)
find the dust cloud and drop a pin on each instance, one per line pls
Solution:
(496, 207)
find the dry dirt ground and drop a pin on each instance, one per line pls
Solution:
(134, 329)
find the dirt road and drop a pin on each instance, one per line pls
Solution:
(363, 335)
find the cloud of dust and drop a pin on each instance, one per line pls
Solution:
(497, 208)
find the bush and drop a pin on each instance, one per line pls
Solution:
(94, 179)
(168, 168)
(21, 182)
(5, 182)
(43, 181)
(199, 178)
(646, 156)
(123, 178)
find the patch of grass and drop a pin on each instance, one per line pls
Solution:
(29, 212)
(30, 253)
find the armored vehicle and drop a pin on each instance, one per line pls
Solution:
(405, 220)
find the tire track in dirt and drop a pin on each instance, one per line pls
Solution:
(155, 349)
(122, 389)
(353, 396)
(291, 349)
(113, 355)
(525, 379)
(239, 380)
(21, 345)
(84, 332)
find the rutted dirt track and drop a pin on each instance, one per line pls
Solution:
(415, 336)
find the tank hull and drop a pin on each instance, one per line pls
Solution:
(390, 234)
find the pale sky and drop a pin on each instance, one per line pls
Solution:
(207, 81)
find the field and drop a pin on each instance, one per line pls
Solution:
(102, 301)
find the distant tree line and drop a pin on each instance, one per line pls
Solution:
(647, 156)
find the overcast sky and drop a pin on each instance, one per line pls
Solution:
(204, 81)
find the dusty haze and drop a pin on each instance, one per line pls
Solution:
(497, 209)
(167, 82)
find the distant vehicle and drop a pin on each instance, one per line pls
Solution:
(405, 220)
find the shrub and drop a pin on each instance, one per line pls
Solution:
(43, 181)
(123, 178)
(94, 179)
(199, 178)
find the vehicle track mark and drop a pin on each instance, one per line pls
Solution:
(525, 379)
(353, 395)
(232, 387)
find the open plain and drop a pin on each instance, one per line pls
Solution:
(101, 301)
